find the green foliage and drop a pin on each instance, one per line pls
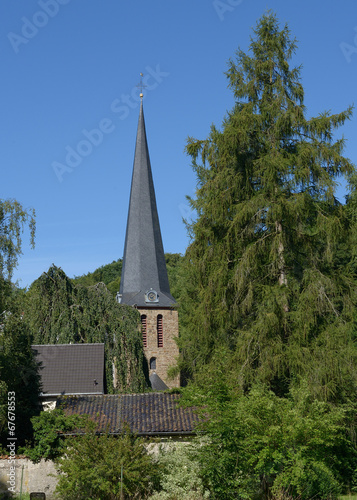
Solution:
(18, 376)
(13, 219)
(108, 274)
(49, 429)
(173, 265)
(260, 444)
(180, 476)
(267, 272)
(92, 468)
(18, 373)
(60, 312)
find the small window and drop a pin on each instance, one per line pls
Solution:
(160, 331)
(144, 329)
(153, 364)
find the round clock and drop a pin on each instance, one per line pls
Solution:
(151, 296)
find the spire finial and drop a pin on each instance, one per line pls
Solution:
(141, 86)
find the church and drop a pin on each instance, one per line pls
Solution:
(78, 369)
(144, 282)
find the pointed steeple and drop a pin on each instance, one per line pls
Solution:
(144, 280)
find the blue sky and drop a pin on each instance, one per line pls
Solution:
(68, 84)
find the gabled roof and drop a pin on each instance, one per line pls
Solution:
(146, 414)
(144, 265)
(70, 368)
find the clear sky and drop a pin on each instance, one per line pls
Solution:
(69, 106)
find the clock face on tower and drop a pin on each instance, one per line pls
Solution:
(151, 296)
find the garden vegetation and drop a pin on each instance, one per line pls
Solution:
(268, 324)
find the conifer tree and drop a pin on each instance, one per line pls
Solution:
(263, 277)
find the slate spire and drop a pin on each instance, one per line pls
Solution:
(144, 280)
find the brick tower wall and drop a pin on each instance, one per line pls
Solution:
(166, 355)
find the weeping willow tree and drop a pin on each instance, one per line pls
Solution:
(265, 281)
(59, 312)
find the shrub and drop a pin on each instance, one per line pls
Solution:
(261, 444)
(105, 466)
(49, 429)
(180, 476)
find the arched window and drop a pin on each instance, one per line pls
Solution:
(160, 331)
(152, 363)
(144, 329)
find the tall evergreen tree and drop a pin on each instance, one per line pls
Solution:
(263, 278)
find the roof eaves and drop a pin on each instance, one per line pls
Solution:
(69, 394)
(141, 434)
(61, 345)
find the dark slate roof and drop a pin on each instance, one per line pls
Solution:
(144, 265)
(157, 384)
(146, 414)
(71, 368)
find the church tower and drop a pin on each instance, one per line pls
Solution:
(144, 282)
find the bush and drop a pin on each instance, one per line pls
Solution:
(49, 429)
(180, 476)
(261, 444)
(104, 466)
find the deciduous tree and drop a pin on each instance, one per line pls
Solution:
(13, 219)
(259, 445)
(18, 377)
(59, 312)
(18, 374)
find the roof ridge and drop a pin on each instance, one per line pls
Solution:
(56, 345)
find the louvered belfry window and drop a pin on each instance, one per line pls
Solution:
(160, 332)
(144, 329)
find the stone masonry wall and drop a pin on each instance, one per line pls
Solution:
(43, 477)
(165, 356)
(39, 478)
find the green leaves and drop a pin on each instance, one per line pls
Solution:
(180, 473)
(60, 312)
(18, 374)
(13, 219)
(102, 466)
(263, 270)
(260, 443)
(49, 429)
(268, 323)
(108, 274)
